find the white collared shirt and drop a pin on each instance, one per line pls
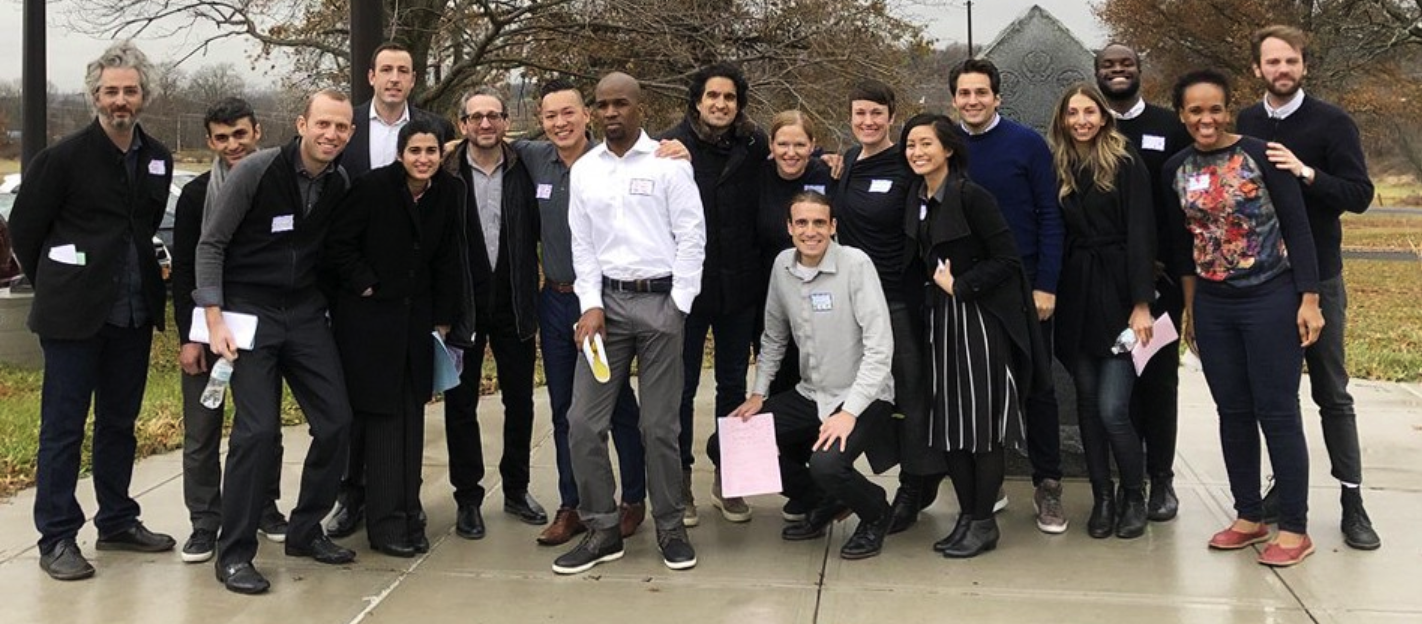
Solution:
(383, 137)
(1284, 111)
(996, 118)
(1133, 113)
(633, 217)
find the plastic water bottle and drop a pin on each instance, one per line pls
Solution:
(1124, 342)
(217, 381)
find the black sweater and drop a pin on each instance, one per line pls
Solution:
(1157, 134)
(1325, 138)
(187, 228)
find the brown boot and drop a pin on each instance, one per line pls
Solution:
(632, 517)
(564, 527)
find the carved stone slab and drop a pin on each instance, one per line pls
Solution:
(1038, 58)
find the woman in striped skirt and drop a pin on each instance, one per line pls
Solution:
(980, 324)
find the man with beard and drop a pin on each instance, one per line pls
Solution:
(259, 252)
(1157, 134)
(232, 135)
(1318, 143)
(638, 242)
(377, 124)
(83, 227)
(727, 153)
(503, 264)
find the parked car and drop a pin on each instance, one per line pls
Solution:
(181, 178)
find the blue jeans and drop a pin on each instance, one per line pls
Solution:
(1103, 408)
(734, 333)
(1249, 348)
(109, 371)
(557, 312)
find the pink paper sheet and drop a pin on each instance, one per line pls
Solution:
(1162, 336)
(750, 462)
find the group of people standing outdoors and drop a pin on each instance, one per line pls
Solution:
(903, 301)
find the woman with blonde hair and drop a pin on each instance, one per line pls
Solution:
(1103, 299)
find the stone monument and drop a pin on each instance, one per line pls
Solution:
(1038, 58)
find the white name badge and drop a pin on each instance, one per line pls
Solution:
(818, 188)
(1153, 142)
(1198, 182)
(641, 186)
(283, 223)
(922, 211)
(821, 302)
(544, 191)
(157, 167)
(880, 186)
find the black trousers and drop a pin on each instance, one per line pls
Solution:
(294, 344)
(514, 360)
(809, 475)
(1044, 434)
(1155, 403)
(394, 450)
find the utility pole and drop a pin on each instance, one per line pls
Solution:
(34, 131)
(367, 21)
(970, 29)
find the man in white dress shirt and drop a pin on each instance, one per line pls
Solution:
(639, 239)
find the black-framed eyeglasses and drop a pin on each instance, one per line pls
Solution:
(479, 118)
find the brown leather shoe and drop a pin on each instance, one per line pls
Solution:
(564, 527)
(632, 517)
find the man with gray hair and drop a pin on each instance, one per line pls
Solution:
(502, 231)
(83, 227)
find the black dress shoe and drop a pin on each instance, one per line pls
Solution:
(959, 530)
(346, 520)
(525, 508)
(981, 537)
(469, 523)
(403, 551)
(906, 505)
(323, 550)
(1357, 527)
(816, 522)
(138, 539)
(1163, 505)
(242, 578)
(420, 543)
(868, 538)
(65, 562)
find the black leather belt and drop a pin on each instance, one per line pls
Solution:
(653, 285)
(558, 287)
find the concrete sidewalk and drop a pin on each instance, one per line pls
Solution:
(747, 574)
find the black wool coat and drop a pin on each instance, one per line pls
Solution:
(407, 252)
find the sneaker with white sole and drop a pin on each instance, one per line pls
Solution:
(200, 546)
(734, 508)
(598, 546)
(677, 552)
(1051, 518)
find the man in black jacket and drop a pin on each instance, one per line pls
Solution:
(260, 247)
(502, 220)
(1318, 143)
(727, 154)
(83, 227)
(377, 124)
(232, 134)
(1157, 134)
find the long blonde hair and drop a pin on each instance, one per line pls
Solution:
(1102, 156)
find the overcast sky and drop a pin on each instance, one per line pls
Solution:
(69, 52)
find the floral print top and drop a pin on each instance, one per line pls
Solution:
(1245, 218)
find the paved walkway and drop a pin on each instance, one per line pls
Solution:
(748, 575)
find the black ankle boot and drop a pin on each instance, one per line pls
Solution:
(1163, 504)
(1357, 527)
(868, 538)
(1102, 522)
(906, 504)
(1132, 521)
(959, 530)
(981, 537)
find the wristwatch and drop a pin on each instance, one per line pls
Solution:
(1306, 174)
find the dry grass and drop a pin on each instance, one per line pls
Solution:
(1391, 231)
(1384, 320)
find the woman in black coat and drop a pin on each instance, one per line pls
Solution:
(394, 251)
(1107, 286)
(982, 329)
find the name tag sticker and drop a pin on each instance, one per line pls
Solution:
(1198, 182)
(1153, 142)
(880, 186)
(641, 186)
(818, 188)
(821, 302)
(922, 211)
(157, 167)
(283, 223)
(544, 191)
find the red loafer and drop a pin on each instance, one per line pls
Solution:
(1230, 539)
(1277, 556)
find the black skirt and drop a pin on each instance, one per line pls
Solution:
(974, 392)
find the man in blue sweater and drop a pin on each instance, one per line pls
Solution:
(1013, 163)
(1318, 143)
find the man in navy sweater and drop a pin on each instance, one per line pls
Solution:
(1157, 134)
(1013, 163)
(1318, 143)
